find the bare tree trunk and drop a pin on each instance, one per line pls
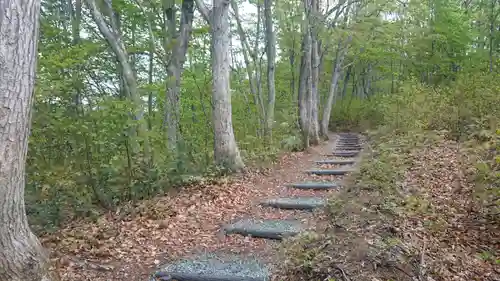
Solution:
(346, 81)
(245, 49)
(226, 151)
(257, 60)
(367, 81)
(491, 35)
(22, 257)
(117, 45)
(314, 126)
(150, 81)
(304, 76)
(337, 70)
(291, 57)
(314, 73)
(174, 71)
(271, 57)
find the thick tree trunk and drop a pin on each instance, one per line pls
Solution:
(226, 151)
(22, 257)
(271, 56)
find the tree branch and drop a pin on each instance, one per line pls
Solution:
(204, 11)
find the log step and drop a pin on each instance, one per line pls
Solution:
(315, 185)
(295, 203)
(269, 229)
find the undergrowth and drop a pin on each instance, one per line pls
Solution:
(359, 240)
(424, 204)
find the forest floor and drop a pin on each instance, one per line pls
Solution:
(430, 228)
(412, 212)
(131, 242)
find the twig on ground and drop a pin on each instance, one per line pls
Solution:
(344, 276)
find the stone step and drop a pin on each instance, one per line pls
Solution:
(315, 185)
(213, 268)
(336, 162)
(295, 203)
(263, 228)
(344, 153)
(336, 172)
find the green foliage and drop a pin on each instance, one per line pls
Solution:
(487, 174)
(84, 156)
(413, 72)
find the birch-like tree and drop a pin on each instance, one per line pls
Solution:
(271, 57)
(226, 152)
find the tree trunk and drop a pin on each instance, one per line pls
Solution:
(22, 257)
(491, 35)
(304, 77)
(258, 66)
(251, 69)
(337, 70)
(367, 81)
(226, 151)
(314, 126)
(346, 81)
(314, 80)
(271, 56)
(245, 48)
(174, 70)
(117, 45)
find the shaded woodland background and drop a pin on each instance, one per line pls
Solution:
(390, 65)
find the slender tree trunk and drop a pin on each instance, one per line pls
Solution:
(117, 45)
(368, 81)
(336, 72)
(314, 80)
(246, 49)
(258, 67)
(492, 28)
(304, 77)
(392, 77)
(150, 82)
(22, 257)
(174, 71)
(271, 56)
(292, 68)
(346, 81)
(314, 73)
(226, 151)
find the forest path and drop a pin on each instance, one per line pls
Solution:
(198, 221)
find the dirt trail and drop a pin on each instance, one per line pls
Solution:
(166, 228)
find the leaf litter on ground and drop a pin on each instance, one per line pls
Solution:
(132, 241)
(409, 215)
